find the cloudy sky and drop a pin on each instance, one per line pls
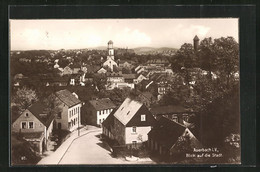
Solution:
(131, 33)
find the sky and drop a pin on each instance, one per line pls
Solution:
(131, 33)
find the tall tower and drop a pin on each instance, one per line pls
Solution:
(196, 43)
(110, 50)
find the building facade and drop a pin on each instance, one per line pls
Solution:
(96, 111)
(35, 125)
(131, 123)
(69, 115)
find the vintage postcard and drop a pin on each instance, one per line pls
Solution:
(124, 91)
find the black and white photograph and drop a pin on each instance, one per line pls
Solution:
(131, 91)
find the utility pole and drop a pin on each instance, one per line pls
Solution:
(78, 121)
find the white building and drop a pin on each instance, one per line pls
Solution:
(68, 118)
(110, 58)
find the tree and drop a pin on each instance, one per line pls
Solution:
(222, 115)
(227, 56)
(183, 60)
(185, 57)
(24, 97)
(207, 56)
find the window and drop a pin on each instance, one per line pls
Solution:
(143, 118)
(133, 129)
(134, 144)
(99, 121)
(23, 125)
(59, 125)
(26, 115)
(59, 115)
(31, 125)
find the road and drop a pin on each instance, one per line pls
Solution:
(89, 150)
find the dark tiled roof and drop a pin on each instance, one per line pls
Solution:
(148, 95)
(92, 68)
(67, 97)
(113, 74)
(160, 110)
(166, 132)
(129, 76)
(39, 111)
(102, 104)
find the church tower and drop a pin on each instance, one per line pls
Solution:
(110, 50)
(110, 62)
(196, 43)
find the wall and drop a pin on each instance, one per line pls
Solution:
(38, 126)
(102, 115)
(64, 116)
(130, 136)
(49, 131)
(119, 131)
(74, 114)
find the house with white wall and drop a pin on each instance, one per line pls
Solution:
(132, 121)
(96, 111)
(35, 125)
(69, 115)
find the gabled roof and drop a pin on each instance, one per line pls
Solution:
(166, 132)
(67, 97)
(160, 110)
(92, 68)
(129, 76)
(148, 95)
(102, 104)
(127, 110)
(113, 74)
(39, 110)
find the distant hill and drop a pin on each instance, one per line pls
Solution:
(150, 50)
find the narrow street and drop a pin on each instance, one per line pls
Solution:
(89, 150)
